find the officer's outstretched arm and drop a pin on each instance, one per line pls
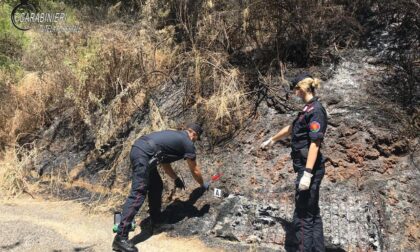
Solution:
(168, 170)
(195, 171)
(284, 132)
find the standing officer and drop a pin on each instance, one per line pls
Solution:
(163, 147)
(307, 131)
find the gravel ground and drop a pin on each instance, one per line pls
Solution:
(35, 225)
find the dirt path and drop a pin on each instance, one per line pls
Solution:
(34, 225)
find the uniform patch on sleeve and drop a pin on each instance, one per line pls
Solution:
(315, 126)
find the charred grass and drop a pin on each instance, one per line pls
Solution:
(218, 57)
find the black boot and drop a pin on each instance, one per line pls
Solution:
(122, 244)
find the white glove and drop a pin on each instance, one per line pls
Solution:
(305, 181)
(267, 143)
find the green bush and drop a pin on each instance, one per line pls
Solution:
(12, 44)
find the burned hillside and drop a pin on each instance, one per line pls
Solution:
(73, 103)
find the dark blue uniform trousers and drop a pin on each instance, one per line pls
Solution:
(145, 181)
(308, 233)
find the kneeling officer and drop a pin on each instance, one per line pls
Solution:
(163, 147)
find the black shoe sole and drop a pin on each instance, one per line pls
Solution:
(117, 249)
(120, 250)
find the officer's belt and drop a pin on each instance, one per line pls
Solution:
(157, 152)
(156, 157)
(152, 144)
(302, 152)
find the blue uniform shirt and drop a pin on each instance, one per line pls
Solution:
(175, 144)
(310, 125)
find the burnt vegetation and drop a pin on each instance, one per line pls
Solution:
(72, 103)
(214, 61)
(210, 47)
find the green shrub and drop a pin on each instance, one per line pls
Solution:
(12, 44)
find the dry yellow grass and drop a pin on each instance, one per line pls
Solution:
(12, 175)
(227, 106)
(34, 94)
(228, 99)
